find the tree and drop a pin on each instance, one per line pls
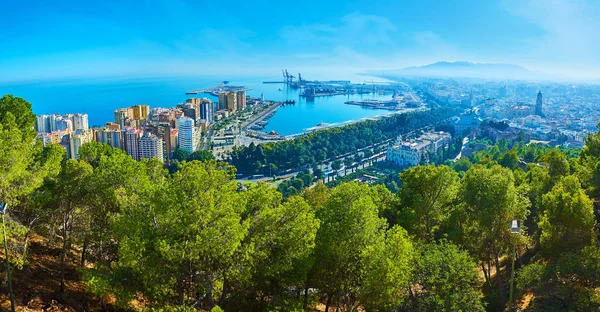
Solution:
(350, 229)
(201, 155)
(183, 240)
(336, 165)
(568, 219)
(91, 152)
(509, 160)
(180, 155)
(71, 207)
(491, 201)
(389, 271)
(557, 164)
(348, 161)
(20, 171)
(462, 164)
(24, 165)
(277, 253)
(318, 173)
(32, 210)
(448, 280)
(427, 193)
(16, 113)
(567, 284)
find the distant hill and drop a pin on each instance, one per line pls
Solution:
(464, 70)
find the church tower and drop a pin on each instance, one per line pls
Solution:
(538, 104)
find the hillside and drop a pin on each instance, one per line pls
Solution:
(462, 69)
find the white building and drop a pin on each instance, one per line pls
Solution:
(80, 121)
(42, 124)
(63, 124)
(411, 152)
(187, 134)
(151, 147)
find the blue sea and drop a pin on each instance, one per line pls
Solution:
(99, 97)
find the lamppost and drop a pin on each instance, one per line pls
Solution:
(515, 228)
(3, 207)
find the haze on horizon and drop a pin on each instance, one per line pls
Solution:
(40, 39)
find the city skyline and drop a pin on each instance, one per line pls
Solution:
(173, 38)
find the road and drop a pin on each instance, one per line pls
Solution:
(363, 163)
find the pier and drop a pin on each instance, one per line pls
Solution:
(222, 87)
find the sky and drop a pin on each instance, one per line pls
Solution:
(42, 39)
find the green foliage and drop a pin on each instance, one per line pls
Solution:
(192, 226)
(16, 114)
(509, 160)
(389, 268)
(91, 152)
(350, 229)
(568, 284)
(448, 280)
(568, 219)
(490, 200)
(427, 194)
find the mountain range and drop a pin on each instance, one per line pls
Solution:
(462, 69)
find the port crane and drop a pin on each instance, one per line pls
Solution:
(287, 77)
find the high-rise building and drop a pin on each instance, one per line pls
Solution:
(241, 100)
(232, 101)
(80, 121)
(538, 104)
(131, 142)
(120, 116)
(206, 110)
(63, 124)
(139, 112)
(222, 100)
(191, 110)
(186, 134)
(42, 124)
(110, 136)
(76, 140)
(194, 101)
(151, 147)
(132, 115)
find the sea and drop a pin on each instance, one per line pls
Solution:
(99, 97)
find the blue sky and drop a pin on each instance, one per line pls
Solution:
(40, 39)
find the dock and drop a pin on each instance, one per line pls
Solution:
(222, 87)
